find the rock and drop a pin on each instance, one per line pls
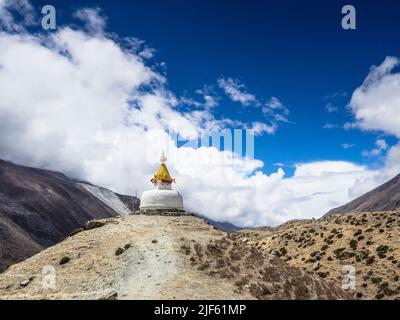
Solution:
(113, 296)
(94, 224)
(119, 251)
(127, 246)
(64, 260)
(76, 231)
(154, 241)
(25, 282)
(315, 266)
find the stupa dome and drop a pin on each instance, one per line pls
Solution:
(161, 199)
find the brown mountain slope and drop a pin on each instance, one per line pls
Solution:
(38, 208)
(384, 198)
(367, 241)
(159, 257)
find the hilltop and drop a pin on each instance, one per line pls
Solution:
(161, 257)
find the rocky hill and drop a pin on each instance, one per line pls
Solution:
(384, 198)
(159, 257)
(40, 207)
(369, 242)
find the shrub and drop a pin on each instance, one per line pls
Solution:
(376, 280)
(119, 251)
(186, 249)
(204, 266)
(382, 248)
(283, 251)
(357, 233)
(323, 274)
(353, 244)
(314, 253)
(65, 260)
(370, 260)
(379, 296)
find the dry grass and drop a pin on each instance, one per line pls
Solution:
(368, 241)
(250, 270)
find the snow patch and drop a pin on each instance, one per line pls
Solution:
(108, 197)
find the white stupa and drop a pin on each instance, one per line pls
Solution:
(162, 197)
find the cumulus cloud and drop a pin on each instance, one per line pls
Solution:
(376, 106)
(82, 103)
(376, 103)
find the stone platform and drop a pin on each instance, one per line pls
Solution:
(161, 212)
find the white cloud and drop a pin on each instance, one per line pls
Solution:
(381, 146)
(81, 103)
(94, 21)
(333, 100)
(329, 125)
(260, 128)
(139, 47)
(376, 103)
(331, 108)
(350, 126)
(276, 111)
(279, 164)
(10, 9)
(347, 146)
(236, 91)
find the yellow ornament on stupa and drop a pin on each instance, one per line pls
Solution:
(162, 173)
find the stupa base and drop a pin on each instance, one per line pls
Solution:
(161, 212)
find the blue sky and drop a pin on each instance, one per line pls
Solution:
(295, 51)
(285, 68)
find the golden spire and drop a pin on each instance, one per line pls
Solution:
(162, 173)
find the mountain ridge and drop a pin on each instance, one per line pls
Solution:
(39, 207)
(386, 197)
